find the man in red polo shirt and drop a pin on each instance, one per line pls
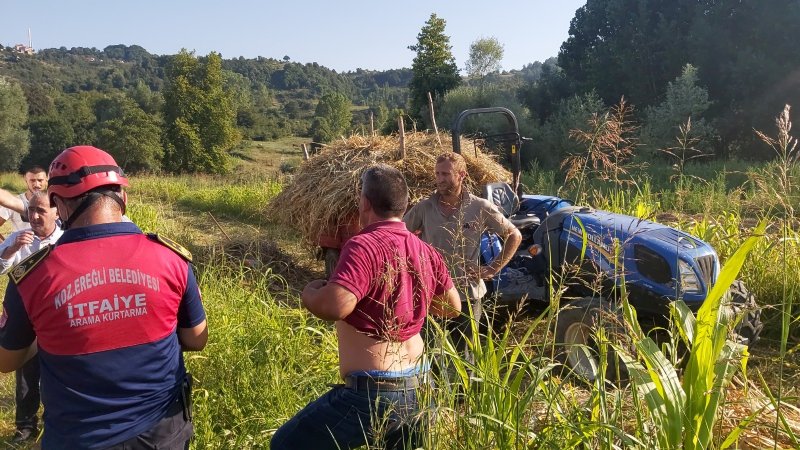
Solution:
(386, 281)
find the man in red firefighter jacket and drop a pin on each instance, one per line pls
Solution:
(109, 310)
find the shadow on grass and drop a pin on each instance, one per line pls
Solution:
(262, 256)
(242, 156)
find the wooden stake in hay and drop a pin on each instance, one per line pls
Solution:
(324, 191)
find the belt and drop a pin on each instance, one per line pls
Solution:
(368, 383)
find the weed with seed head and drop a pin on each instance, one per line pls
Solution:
(610, 146)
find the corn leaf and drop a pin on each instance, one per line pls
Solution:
(704, 373)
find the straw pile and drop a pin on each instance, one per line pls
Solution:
(324, 191)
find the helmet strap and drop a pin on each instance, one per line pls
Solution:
(88, 200)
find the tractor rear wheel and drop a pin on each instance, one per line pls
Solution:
(742, 302)
(331, 258)
(577, 347)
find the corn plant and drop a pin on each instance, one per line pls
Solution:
(496, 386)
(684, 412)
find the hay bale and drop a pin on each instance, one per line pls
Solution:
(324, 191)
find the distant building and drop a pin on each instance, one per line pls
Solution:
(24, 49)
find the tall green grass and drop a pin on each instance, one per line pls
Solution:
(264, 359)
(243, 199)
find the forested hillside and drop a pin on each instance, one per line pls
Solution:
(273, 97)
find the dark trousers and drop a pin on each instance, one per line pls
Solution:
(27, 395)
(173, 432)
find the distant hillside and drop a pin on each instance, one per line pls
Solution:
(278, 96)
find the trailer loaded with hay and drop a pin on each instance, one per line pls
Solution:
(322, 200)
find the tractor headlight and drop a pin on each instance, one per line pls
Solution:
(689, 280)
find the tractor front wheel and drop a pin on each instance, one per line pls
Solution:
(331, 257)
(578, 348)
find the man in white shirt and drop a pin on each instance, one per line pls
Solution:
(18, 246)
(42, 232)
(12, 205)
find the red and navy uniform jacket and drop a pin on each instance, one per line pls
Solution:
(105, 304)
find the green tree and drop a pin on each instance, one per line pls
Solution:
(14, 141)
(746, 55)
(390, 125)
(599, 55)
(381, 114)
(199, 115)
(131, 136)
(553, 138)
(684, 101)
(468, 97)
(49, 136)
(485, 55)
(543, 95)
(434, 67)
(40, 99)
(78, 111)
(332, 117)
(151, 102)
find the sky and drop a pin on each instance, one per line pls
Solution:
(339, 34)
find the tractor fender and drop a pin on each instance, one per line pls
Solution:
(548, 235)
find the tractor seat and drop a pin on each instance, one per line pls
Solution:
(507, 202)
(522, 220)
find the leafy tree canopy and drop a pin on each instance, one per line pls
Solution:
(485, 56)
(332, 118)
(685, 102)
(744, 51)
(14, 140)
(434, 67)
(49, 136)
(129, 134)
(199, 115)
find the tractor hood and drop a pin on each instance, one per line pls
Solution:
(675, 239)
(626, 229)
(652, 256)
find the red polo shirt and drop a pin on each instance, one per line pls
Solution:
(394, 275)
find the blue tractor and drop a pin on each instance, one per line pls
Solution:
(590, 254)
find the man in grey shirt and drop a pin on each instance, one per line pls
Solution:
(452, 221)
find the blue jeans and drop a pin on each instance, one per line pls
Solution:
(346, 418)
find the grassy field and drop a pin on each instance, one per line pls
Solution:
(267, 357)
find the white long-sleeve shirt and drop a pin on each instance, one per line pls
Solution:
(25, 250)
